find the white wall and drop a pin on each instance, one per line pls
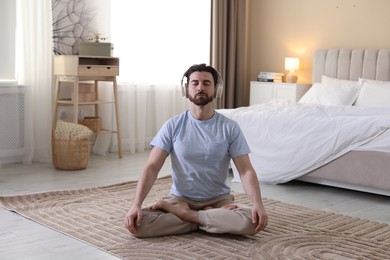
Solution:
(102, 19)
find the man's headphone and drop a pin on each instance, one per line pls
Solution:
(219, 84)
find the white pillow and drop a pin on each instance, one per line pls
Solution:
(374, 94)
(361, 81)
(338, 82)
(323, 94)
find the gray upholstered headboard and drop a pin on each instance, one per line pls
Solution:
(352, 64)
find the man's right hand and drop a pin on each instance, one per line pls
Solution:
(133, 219)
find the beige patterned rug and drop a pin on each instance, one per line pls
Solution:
(95, 216)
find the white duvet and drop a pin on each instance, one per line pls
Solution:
(288, 140)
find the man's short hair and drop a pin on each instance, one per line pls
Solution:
(203, 68)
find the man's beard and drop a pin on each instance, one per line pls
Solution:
(201, 100)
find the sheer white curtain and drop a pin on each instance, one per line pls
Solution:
(156, 42)
(34, 72)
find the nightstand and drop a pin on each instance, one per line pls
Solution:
(263, 92)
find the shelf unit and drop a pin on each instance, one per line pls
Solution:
(74, 69)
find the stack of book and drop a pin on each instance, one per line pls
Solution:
(270, 77)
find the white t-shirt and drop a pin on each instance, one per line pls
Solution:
(200, 153)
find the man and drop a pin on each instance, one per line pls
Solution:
(201, 143)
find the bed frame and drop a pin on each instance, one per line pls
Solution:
(356, 170)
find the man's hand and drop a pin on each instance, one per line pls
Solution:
(259, 217)
(133, 219)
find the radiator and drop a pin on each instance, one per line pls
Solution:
(12, 124)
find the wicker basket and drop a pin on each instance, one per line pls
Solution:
(92, 122)
(70, 154)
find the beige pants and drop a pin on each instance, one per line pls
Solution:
(238, 221)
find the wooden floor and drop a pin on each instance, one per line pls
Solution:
(21, 238)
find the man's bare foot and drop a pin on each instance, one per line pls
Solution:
(229, 206)
(181, 209)
(168, 207)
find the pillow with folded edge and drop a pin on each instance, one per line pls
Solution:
(338, 82)
(374, 93)
(361, 81)
(328, 94)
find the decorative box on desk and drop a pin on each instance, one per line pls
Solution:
(263, 92)
(95, 49)
(75, 69)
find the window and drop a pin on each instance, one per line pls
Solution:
(158, 40)
(7, 50)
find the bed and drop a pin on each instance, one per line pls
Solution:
(338, 134)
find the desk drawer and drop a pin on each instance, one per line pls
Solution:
(98, 70)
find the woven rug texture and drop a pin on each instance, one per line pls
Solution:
(95, 215)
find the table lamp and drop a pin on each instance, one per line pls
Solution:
(291, 64)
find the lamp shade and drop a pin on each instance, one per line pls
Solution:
(291, 63)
